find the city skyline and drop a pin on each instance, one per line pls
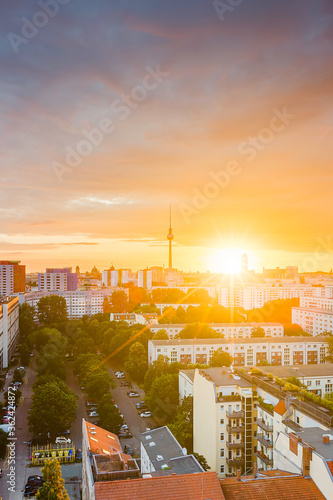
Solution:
(223, 115)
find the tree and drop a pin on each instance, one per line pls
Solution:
(161, 335)
(51, 309)
(54, 486)
(26, 319)
(257, 331)
(3, 443)
(202, 461)
(136, 364)
(53, 409)
(163, 396)
(109, 416)
(330, 348)
(220, 358)
(107, 306)
(198, 331)
(25, 354)
(294, 330)
(98, 383)
(182, 425)
(18, 375)
(119, 301)
(50, 360)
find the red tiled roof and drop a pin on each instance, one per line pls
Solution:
(272, 488)
(280, 408)
(101, 441)
(330, 466)
(200, 486)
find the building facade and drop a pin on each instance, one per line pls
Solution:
(57, 279)
(248, 352)
(9, 329)
(12, 277)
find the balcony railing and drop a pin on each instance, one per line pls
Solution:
(235, 414)
(263, 458)
(235, 461)
(263, 425)
(236, 446)
(266, 442)
(236, 429)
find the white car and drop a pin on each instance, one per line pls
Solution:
(124, 427)
(62, 440)
(93, 414)
(120, 375)
(145, 414)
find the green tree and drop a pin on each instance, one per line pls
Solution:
(51, 309)
(54, 486)
(202, 461)
(220, 358)
(53, 409)
(136, 364)
(198, 331)
(98, 383)
(163, 396)
(161, 335)
(119, 301)
(3, 443)
(330, 348)
(257, 331)
(107, 306)
(182, 425)
(26, 319)
(18, 375)
(109, 416)
(25, 354)
(50, 360)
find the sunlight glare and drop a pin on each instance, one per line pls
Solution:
(226, 261)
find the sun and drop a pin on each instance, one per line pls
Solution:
(226, 261)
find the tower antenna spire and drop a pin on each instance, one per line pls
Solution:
(170, 237)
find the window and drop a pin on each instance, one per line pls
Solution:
(222, 452)
(222, 408)
(317, 382)
(328, 388)
(222, 421)
(222, 436)
(222, 469)
(308, 383)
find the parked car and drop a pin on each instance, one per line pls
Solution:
(91, 402)
(132, 394)
(62, 440)
(78, 454)
(126, 383)
(145, 414)
(65, 433)
(93, 414)
(124, 427)
(119, 372)
(121, 375)
(125, 434)
(35, 478)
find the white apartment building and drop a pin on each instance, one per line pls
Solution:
(317, 378)
(325, 303)
(52, 281)
(145, 278)
(313, 321)
(245, 352)
(228, 330)
(223, 415)
(79, 302)
(9, 329)
(6, 280)
(256, 296)
(132, 318)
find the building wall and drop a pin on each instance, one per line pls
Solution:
(88, 483)
(9, 329)
(313, 321)
(146, 464)
(185, 385)
(228, 330)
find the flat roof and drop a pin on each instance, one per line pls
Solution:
(323, 369)
(314, 437)
(223, 377)
(312, 309)
(161, 445)
(255, 340)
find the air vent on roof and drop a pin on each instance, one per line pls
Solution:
(159, 458)
(236, 377)
(152, 444)
(91, 428)
(93, 433)
(165, 467)
(148, 437)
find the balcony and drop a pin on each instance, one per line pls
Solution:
(236, 446)
(236, 428)
(236, 461)
(263, 458)
(263, 425)
(266, 442)
(235, 414)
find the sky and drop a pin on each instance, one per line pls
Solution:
(113, 110)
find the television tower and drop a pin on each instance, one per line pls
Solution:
(170, 238)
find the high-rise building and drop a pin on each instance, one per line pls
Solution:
(12, 277)
(9, 329)
(145, 278)
(57, 279)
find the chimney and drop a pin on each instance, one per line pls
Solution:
(326, 439)
(255, 471)
(307, 457)
(239, 474)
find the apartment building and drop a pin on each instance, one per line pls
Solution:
(186, 289)
(57, 279)
(145, 278)
(12, 277)
(133, 318)
(249, 352)
(256, 296)
(313, 321)
(223, 415)
(318, 379)
(79, 302)
(9, 329)
(228, 330)
(325, 303)
(118, 277)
